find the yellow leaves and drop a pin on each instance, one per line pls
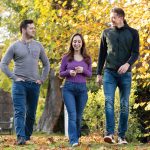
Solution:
(7, 141)
(147, 135)
(145, 79)
(145, 65)
(95, 137)
(74, 4)
(94, 64)
(138, 104)
(86, 38)
(24, 2)
(64, 3)
(53, 142)
(44, 141)
(93, 141)
(5, 82)
(148, 40)
(46, 3)
(43, 7)
(142, 104)
(148, 106)
(82, 17)
(147, 54)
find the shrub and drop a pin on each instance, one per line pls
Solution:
(40, 108)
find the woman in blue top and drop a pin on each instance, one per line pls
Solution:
(75, 67)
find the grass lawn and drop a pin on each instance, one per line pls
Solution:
(60, 142)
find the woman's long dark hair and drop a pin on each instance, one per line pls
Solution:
(70, 53)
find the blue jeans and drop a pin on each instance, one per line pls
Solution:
(75, 98)
(112, 80)
(25, 98)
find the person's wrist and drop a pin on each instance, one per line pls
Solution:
(42, 81)
(128, 64)
(82, 70)
(98, 75)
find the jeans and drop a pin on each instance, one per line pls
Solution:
(75, 98)
(112, 80)
(25, 96)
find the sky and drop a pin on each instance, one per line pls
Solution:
(3, 30)
(3, 34)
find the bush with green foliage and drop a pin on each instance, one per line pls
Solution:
(40, 108)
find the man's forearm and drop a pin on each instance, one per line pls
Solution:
(5, 69)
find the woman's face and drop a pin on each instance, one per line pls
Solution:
(77, 43)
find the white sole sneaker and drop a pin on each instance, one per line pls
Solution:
(108, 139)
(75, 144)
(122, 141)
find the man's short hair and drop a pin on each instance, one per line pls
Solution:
(119, 11)
(24, 24)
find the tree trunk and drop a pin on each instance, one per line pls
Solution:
(6, 107)
(52, 118)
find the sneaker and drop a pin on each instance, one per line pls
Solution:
(122, 140)
(75, 144)
(27, 138)
(21, 141)
(109, 139)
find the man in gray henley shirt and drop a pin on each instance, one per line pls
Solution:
(26, 78)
